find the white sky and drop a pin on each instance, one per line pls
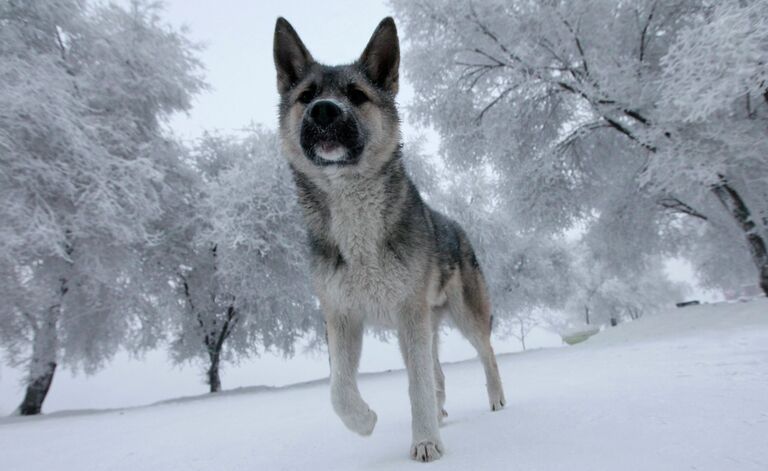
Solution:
(238, 55)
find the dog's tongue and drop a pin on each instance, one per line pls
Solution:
(327, 146)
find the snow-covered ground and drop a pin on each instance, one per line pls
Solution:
(684, 390)
(128, 381)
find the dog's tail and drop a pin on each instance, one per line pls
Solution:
(475, 290)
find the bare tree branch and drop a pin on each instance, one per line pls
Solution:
(644, 32)
(490, 105)
(578, 133)
(674, 204)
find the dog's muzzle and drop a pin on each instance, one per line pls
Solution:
(329, 134)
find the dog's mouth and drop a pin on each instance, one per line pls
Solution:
(330, 136)
(330, 151)
(340, 146)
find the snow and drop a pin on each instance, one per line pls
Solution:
(129, 381)
(685, 389)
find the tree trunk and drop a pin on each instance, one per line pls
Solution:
(215, 348)
(586, 313)
(214, 380)
(43, 363)
(37, 390)
(738, 209)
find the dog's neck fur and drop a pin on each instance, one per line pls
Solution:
(353, 216)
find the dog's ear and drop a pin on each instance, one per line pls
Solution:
(381, 58)
(292, 59)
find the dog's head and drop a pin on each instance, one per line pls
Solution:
(340, 118)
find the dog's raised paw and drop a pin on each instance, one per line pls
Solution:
(362, 424)
(426, 451)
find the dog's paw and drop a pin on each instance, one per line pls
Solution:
(362, 423)
(441, 415)
(426, 451)
(498, 403)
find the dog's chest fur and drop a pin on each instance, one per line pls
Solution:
(358, 266)
(357, 224)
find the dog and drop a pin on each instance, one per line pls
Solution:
(379, 255)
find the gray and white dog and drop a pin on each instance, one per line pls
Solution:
(379, 254)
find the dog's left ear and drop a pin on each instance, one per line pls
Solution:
(381, 58)
(292, 59)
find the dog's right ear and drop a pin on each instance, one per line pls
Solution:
(381, 58)
(292, 59)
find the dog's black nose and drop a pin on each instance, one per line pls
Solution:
(324, 112)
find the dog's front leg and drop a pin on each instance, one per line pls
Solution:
(415, 336)
(345, 342)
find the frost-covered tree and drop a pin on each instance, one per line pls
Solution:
(528, 273)
(521, 326)
(714, 108)
(259, 227)
(556, 96)
(603, 293)
(241, 271)
(84, 91)
(208, 320)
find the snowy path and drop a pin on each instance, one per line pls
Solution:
(686, 390)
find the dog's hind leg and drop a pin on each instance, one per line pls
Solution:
(492, 377)
(469, 308)
(345, 342)
(415, 337)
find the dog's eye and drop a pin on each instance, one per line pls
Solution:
(307, 95)
(356, 96)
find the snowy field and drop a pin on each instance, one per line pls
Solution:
(684, 390)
